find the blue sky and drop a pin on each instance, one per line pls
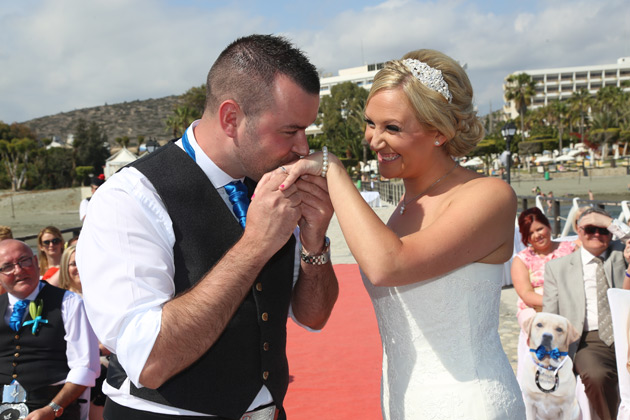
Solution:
(60, 55)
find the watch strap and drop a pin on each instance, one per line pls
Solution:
(57, 409)
(317, 259)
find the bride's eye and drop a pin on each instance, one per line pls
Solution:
(393, 128)
(368, 122)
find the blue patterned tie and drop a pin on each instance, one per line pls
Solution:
(237, 193)
(18, 313)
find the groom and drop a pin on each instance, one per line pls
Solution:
(188, 286)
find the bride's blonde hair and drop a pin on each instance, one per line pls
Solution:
(457, 120)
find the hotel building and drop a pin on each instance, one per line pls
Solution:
(560, 83)
(363, 76)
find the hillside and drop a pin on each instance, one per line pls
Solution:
(146, 118)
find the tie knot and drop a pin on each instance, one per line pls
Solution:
(236, 187)
(21, 304)
(598, 260)
(18, 313)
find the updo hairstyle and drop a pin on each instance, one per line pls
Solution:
(457, 121)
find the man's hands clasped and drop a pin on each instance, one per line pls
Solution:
(288, 196)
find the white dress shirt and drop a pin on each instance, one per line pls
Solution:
(83, 208)
(125, 257)
(81, 343)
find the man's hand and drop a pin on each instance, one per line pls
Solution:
(317, 211)
(595, 219)
(44, 413)
(64, 397)
(273, 214)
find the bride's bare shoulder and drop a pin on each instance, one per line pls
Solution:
(487, 188)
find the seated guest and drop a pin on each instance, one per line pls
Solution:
(5, 232)
(68, 274)
(578, 213)
(528, 269)
(70, 280)
(576, 287)
(51, 244)
(58, 342)
(72, 241)
(96, 182)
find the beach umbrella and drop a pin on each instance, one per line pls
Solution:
(544, 159)
(565, 158)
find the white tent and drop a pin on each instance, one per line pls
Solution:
(117, 161)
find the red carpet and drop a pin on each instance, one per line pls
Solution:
(336, 373)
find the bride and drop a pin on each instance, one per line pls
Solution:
(434, 271)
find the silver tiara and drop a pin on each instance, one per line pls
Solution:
(428, 76)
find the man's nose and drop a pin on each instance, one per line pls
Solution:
(301, 146)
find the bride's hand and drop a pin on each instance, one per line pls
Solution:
(309, 165)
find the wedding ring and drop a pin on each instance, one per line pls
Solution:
(284, 170)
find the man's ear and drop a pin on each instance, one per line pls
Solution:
(229, 115)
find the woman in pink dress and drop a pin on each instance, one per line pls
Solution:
(528, 269)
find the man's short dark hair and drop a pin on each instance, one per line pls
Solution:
(246, 70)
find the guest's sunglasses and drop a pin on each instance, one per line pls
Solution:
(590, 230)
(52, 241)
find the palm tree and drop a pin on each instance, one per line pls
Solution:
(122, 141)
(182, 117)
(520, 88)
(608, 98)
(558, 114)
(579, 103)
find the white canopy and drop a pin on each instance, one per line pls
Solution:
(564, 158)
(544, 159)
(476, 161)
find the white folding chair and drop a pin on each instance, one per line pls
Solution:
(620, 310)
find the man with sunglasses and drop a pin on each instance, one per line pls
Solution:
(48, 352)
(575, 287)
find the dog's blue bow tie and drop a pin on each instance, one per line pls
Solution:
(555, 354)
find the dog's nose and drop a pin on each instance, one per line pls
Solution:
(546, 339)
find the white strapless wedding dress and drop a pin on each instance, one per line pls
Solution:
(442, 357)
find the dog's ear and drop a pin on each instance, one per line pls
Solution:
(527, 326)
(572, 334)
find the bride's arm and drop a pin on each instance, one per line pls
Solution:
(477, 225)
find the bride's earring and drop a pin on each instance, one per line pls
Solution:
(437, 143)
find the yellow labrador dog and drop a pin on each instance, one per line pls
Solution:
(549, 385)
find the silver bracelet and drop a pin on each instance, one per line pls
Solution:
(319, 259)
(324, 161)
